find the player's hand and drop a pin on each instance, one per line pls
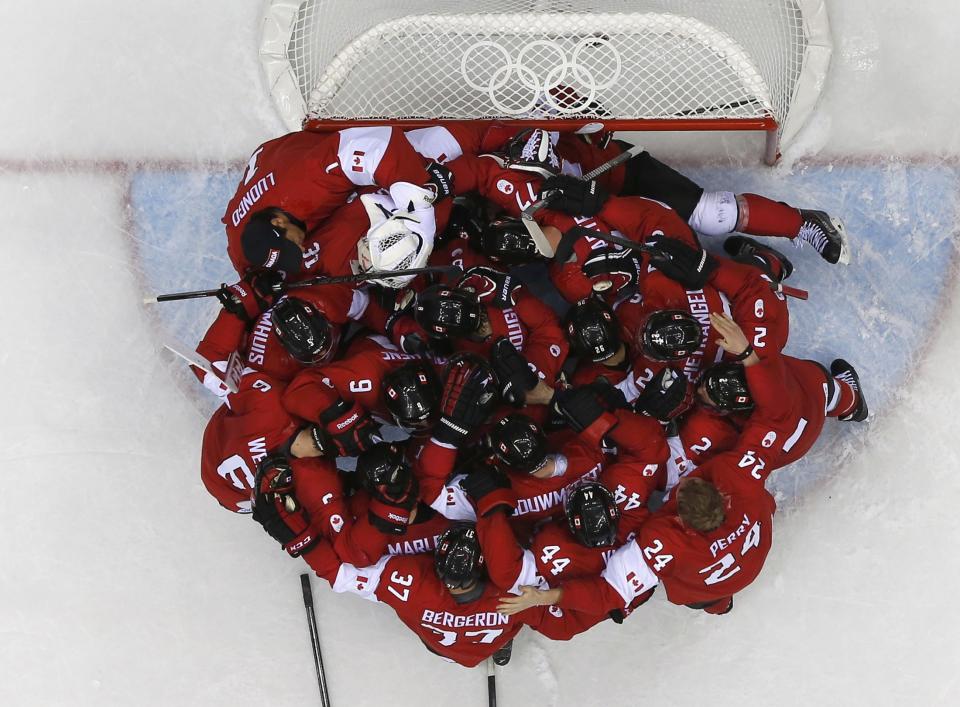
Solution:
(469, 395)
(348, 429)
(689, 266)
(732, 339)
(514, 375)
(541, 394)
(440, 181)
(574, 196)
(529, 597)
(276, 508)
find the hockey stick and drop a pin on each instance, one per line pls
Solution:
(576, 232)
(533, 228)
(491, 683)
(445, 270)
(234, 366)
(314, 639)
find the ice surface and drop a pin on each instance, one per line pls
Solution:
(123, 583)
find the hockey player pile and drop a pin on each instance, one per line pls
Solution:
(573, 432)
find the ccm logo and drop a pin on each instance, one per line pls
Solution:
(302, 543)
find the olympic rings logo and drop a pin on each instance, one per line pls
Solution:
(487, 66)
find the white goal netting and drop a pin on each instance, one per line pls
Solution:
(679, 63)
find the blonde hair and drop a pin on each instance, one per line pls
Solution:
(700, 505)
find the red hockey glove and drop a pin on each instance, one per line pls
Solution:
(469, 396)
(681, 262)
(489, 490)
(277, 510)
(584, 412)
(349, 430)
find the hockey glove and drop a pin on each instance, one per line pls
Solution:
(611, 269)
(678, 261)
(667, 396)
(347, 430)
(392, 502)
(513, 373)
(469, 396)
(440, 181)
(584, 412)
(242, 301)
(574, 196)
(277, 510)
(492, 286)
(489, 490)
(405, 332)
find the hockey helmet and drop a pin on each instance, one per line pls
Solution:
(458, 560)
(517, 441)
(593, 330)
(412, 395)
(670, 335)
(506, 240)
(304, 332)
(384, 464)
(444, 311)
(592, 514)
(532, 151)
(725, 384)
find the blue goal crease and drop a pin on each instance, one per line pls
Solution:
(878, 312)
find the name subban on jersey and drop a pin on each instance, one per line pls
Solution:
(445, 618)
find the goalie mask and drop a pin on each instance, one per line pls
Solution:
(532, 151)
(304, 332)
(725, 385)
(458, 560)
(390, 244)
(445, 311)
(592, 514)
(518, 442)
(593, 330)
(670, 335)
(506, 240)
(412, 395)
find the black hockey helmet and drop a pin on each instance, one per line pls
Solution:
(445, 311)
(412, 395)
(384, 464)
(726, 386)
(669, 335)
(458, 560)
(592, 514)
(593, 330)
(532, 151)
(304, 332)
(517, 441)
(667, 395)
(506, 240)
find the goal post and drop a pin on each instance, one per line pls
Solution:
(564, 64)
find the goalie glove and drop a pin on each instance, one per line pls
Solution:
(492, 286)
(514, 375)
(689, 266)
(277, 509)
(574, 196)
(613, 270)
(469, 396)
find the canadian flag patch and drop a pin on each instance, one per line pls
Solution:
(357, 162)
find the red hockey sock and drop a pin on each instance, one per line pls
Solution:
(847, 402)
(760, 216)
(720, 607)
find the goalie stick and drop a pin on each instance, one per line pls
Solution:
(533, 228)
(314, 639)
(565, 248)
(451, 271)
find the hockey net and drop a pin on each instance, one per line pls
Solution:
(580, 64)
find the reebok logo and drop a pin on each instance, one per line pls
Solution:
(349, 421)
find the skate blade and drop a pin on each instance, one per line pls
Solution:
(844, 242)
